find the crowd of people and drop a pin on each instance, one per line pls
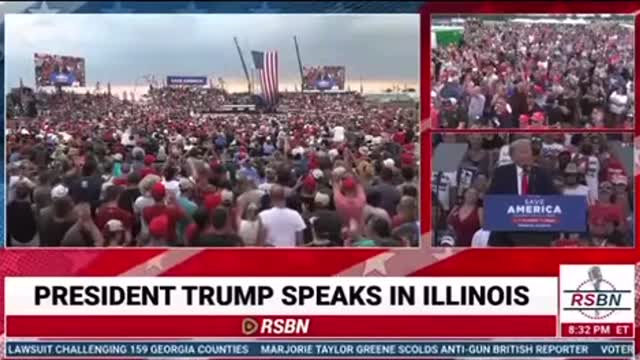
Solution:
(168, 170)
(506, 74)
(588, 165)
(174, 102)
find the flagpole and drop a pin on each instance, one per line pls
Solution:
(253, 80)
(295, 41)
(244, 65)
(20, 96)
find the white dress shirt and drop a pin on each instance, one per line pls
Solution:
(520, 172)
(481, 238)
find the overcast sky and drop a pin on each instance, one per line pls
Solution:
(119, 48)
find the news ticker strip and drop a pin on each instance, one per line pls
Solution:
(321, 349)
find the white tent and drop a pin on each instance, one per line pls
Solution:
(551, 21)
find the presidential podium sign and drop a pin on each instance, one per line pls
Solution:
(535, 213)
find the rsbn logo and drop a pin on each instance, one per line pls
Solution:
(596, 298)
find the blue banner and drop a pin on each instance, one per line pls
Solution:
(59, 78)
(187, 80)
(322, 349)
(553, 213)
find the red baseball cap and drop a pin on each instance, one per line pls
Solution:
(158, 191)
(348, 184)
(538, 117)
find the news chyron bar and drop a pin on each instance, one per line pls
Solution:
(252, 180)
(326, 316)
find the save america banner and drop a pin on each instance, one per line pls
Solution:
(535, 213)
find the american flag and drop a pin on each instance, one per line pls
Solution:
(266, 64)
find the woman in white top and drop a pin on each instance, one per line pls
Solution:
(171, 182)
(338, 134)
(618, 101)
(249, 226)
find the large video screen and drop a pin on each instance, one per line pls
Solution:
(323, 77)
(58, 70)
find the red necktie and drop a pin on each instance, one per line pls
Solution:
(525, 183)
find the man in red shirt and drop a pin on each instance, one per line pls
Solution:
(399, 137)
(173, 212)
(614, 168)
(605, 209)
(110, 211)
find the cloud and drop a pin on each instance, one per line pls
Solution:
(122, 47)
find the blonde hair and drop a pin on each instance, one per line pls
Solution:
(365, 169)
(516, 143)
(147, 183)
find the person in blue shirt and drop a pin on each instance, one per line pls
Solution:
(249, 172)
(268, 148)
(221, 141)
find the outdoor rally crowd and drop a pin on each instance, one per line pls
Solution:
(94, 170)
(514, 75)
(580, 164)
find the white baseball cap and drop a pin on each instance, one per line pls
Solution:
(322, 199)
(339, 171)
(389, 163)
(297, 151)
(59, 191)
(447, 240)
(317, 174)
(114, 225)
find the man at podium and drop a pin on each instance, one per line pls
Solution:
(521, 177)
